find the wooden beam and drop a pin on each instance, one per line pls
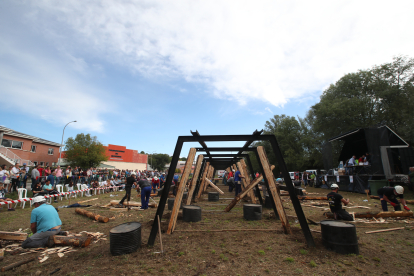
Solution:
(194, 179)
(249, 187)
(209, 174)
(379, 214)
(201, 188)
(180, 192)
(214, 186)
(385, 230)
(273, 191)
(13, 265)
(246, 180)
(13, 236)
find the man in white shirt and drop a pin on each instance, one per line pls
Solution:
(15, 174)
(351, 163)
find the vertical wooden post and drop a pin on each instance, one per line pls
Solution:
(209, 174)
(180, 192)
(201, 188)
(247, 180)
(273, 191)
(194, 179)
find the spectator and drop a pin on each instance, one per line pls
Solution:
(48, 171)
(25, 175)
(237, 181)
(35, 176)
(305, 178)
(3, 197)
(350, 164)
(58, 174)
(162, 179)
(51, 178)
(15, 175)
(40, 169)
(38, 190)
(48, 188)
(155, 184)
(3, 175)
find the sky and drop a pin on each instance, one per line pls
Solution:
(141, 73)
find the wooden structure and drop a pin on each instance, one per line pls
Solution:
(209, 167)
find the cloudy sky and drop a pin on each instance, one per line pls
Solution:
(141, 73)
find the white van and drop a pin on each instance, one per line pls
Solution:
(292, 175)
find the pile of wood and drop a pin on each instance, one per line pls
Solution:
(132, 204)
(378, 214)
(91, 215)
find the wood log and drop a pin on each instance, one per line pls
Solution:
(248, 180)
(407, 201)
(273, 190)
(214, 186)
(71, 241)
(13, 236)
(379, 214)
(384, 230)
(91, 215)
(201, 187)
(227, 230)
(13, 265)
(180, 192)
(209, 175)
(194, 179)
(312, 198)
(88, 200)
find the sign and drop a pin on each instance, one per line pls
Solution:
(351, 179)
(337, 178)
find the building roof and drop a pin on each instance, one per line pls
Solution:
(35, 139)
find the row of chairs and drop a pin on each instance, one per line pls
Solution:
(22, 193)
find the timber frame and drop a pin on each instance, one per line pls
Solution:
(223, 163)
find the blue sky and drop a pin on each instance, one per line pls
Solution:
(141, 73)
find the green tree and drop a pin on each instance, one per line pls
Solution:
(159, 161)
(182, 158)
(84, 151)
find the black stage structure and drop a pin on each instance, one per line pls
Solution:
(256, 136)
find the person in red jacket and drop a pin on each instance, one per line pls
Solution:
(155, 184)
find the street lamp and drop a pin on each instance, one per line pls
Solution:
(151, 159)
(60, 153)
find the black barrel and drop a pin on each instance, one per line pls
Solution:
(185, 195)
(268, 203)
(171, 204)
(252, 211)
(191, 213)
(125, 238)
(213, 196)
(339, 237)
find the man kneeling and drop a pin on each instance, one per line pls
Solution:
(45, 223)
(335, 203)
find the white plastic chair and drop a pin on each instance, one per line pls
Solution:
(59, 188)
(80, 188)
(84, 186)
(67, 190)
(22, 192)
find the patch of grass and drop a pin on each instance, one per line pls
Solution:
(408, 244)
(261, 252)
(381, 239)
(213, 251)
(383, 250)
(162, 269)
(290, 260)
(298, 271)
(313, 264)
(222, 245)
(399, 241)
(180, 254)
(267, 270)
(224, 258)
(360, 256)
(303, 251)
(376, 259)
(352, 255)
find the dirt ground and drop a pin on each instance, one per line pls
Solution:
(257, 252)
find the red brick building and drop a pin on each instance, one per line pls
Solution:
(122, 158)
(24, 148)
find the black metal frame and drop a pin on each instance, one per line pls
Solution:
(256, 136)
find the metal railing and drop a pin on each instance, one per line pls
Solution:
(14, 158)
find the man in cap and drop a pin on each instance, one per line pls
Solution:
(44, 223)
(155, 184)
(335, 204)
(389, 195)
(145, 186)
(131, 180)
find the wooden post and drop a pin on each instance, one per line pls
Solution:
(273, 191)
(201, 188)
(180, 192)
(246, 180)
(194, 179)
(13, 265)
(208, 181)
(159, 232)
(209, 174)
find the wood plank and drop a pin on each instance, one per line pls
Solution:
(247, 180)
(181, 188)
(273, 190)
(194, 179)
(384, 230)
(209, 175)
(391, 214)
(214, 186)
(13, 236)
(200, 189)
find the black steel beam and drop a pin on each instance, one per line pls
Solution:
(202, 143)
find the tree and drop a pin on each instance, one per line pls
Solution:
(84, 151)
(183, 159)
(142, 152)
(159, 161)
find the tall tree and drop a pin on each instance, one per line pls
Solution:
(84, 151)
(159, 161)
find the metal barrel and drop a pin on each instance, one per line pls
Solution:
(213, 196)
(339, 237)
(125, 238)
(252, 211)
(191, 213)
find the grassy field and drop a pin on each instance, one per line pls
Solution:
(222, 253)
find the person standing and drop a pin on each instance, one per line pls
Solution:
(162, 180)
(15, 175)
(155, 184)
(389, 195)
(51, 178)
(35, 176)
(58, 174)
(335, 204)
(350, 165)
(44, 223)
(25, 173)
(128, 186)
(237, 182)
(145, 193)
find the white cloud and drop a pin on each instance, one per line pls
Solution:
(268, 109)
(43, 88)
(271, 51)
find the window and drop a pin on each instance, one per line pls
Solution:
(6, 143)
(17, 145)
(35, 163)
(42, 163)
(33, 149)
(47, 164)
(50, 151)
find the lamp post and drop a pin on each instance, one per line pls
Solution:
(60, 153)
(151, 159)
